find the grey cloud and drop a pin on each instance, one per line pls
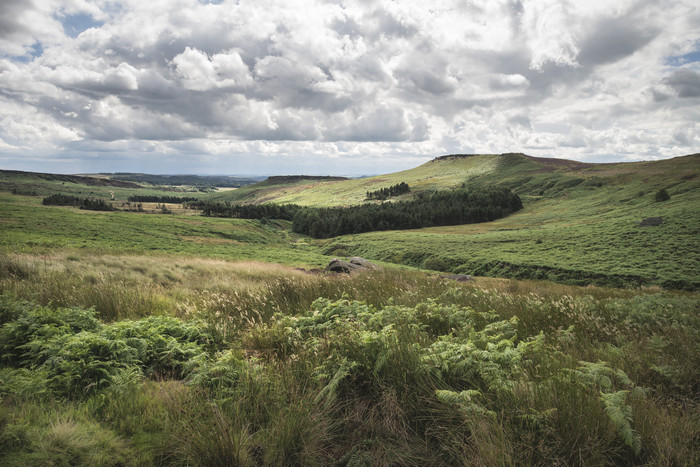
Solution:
(425, 80)
(380, 124)
(9, 12)
(389, 26)
(685, 82)
(659, 94)
(520, 120)
(615, 38)
(346, 27)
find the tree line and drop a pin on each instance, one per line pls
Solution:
(92, 204)
(159, 199)
(246, 211)
(461, 206)
(384, 193)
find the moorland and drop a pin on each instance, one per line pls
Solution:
(136, 330)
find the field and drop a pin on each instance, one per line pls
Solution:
(136, 338)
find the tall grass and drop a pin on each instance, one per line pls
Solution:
(391, 367)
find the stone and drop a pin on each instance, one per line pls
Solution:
(355, 264)
(363, 262)
(338, 265)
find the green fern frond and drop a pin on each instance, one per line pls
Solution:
(620, 414)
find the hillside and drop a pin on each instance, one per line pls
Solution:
(528, 175)
(164, 337)
(40, 182)
(580, 224)
(428, 176)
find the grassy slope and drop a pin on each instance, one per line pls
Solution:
(48, 184)
(429, 176)
(28, 226)
(394, 385)
(579, 224)
(582, 233)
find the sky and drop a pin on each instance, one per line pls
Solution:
(342, 87)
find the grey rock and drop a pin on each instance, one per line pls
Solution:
(363, 262)
(338, 265)
(355, 264)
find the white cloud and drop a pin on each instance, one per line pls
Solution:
(317, 79)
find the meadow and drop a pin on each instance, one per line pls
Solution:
(133, 360)
(132, 338)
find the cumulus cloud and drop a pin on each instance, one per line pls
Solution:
(309, 80)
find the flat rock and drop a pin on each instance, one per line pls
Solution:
(354, 265)
(363, 262)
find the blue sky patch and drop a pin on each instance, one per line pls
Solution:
(36, 50)
(73, 25)
(680, 60)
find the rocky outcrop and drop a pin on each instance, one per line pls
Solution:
(355, 264)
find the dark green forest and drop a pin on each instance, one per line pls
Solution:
(385, 193)
(160, 199)
(92, 204)
(462, 206)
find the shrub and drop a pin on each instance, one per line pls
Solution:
(435, 263)
(662, 195)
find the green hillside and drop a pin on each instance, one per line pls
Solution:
(580, 224)
(163, 337)
(430, 176)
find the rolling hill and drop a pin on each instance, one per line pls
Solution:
(164, 337)
(580, 223)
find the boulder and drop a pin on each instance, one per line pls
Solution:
(653, 221)
(354, 265)
(363, 262)
(338, 265)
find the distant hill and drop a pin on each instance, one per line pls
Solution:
(282, 179)
(526, 174)
(222, 181)
(82, 179)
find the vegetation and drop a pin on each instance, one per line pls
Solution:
(478, 204)
(247, 211)
(91, 204)
(447, 374)
(160, 199)
(662, 195)
(132, 339)
(385, 193)
(58, 199)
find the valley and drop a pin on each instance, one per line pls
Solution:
(166, 337)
